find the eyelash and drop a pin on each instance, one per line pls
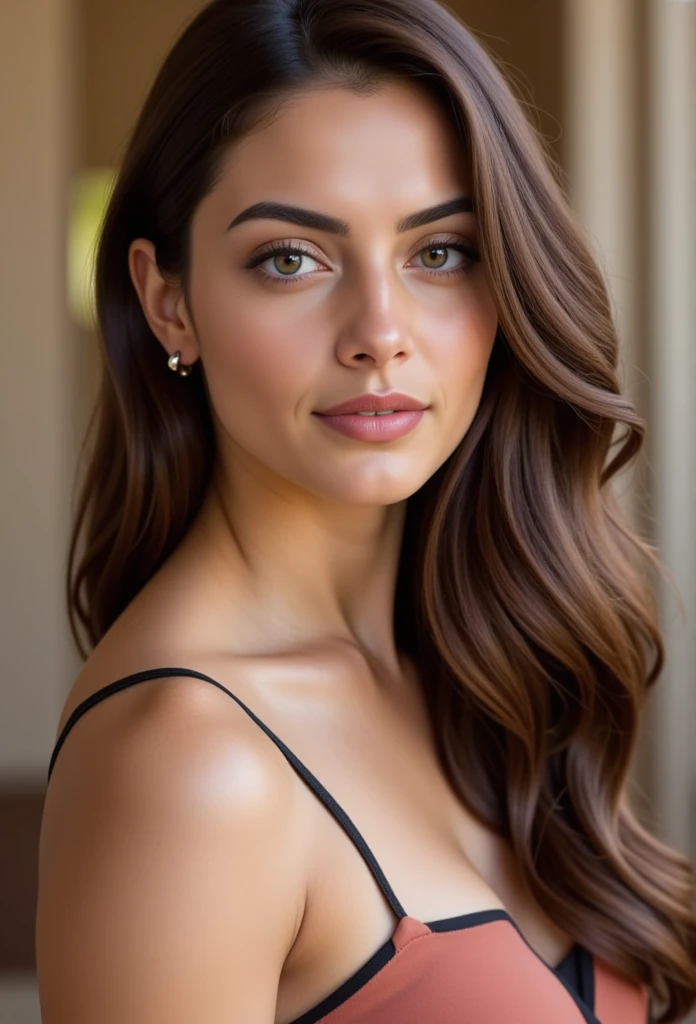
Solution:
(299, 249)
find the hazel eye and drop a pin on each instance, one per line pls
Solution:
(289, 262)
(438, 253)
(436, 258)
(282, 262)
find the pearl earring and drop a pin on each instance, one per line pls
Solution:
(174, 364)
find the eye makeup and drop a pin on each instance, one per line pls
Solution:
(300, 249)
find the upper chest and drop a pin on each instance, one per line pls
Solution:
(376, 756)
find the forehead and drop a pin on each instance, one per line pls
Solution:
(388, 149)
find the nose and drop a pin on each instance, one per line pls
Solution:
(377, 329)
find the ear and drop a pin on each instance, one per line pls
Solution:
(163, 302)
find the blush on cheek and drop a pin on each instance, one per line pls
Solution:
(256, 363)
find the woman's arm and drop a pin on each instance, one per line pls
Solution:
(171, 867)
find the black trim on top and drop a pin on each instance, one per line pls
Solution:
(587, 976)
(349, 987)
(586, 1008)
(577, 968)
(332, 805)
(472, 920)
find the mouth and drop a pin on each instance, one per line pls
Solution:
(374, 425)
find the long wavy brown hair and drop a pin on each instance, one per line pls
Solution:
(523, 593)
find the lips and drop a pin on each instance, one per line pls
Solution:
(387, 427)
(372, 402)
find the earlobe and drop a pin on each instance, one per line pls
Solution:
(160, 302)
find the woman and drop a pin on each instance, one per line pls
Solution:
(374, 633)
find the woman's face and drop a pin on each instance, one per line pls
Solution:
(375, 306)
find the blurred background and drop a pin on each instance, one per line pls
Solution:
(611, 85)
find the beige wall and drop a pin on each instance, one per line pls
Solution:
(671, 282)
(36, 375)
(123, 45)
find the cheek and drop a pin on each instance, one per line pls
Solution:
(466, 334)
(255, 355)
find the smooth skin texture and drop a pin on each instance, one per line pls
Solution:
(187, 873)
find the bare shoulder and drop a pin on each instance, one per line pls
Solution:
(172, 874)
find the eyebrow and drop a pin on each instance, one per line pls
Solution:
(322, 222)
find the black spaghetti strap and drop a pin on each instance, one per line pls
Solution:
(332, 805)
